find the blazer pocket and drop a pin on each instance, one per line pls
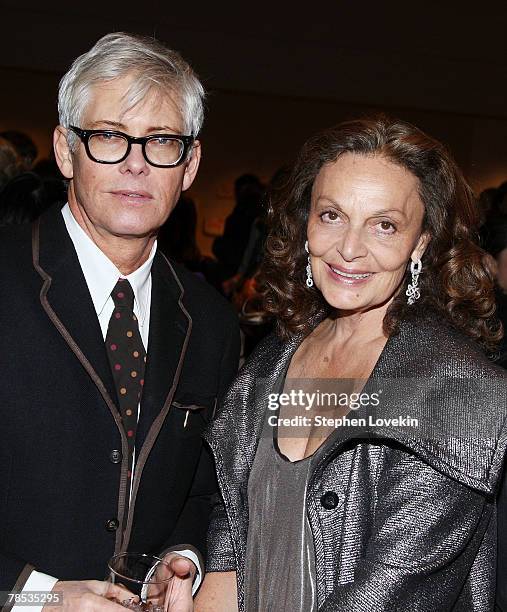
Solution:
(192, 414)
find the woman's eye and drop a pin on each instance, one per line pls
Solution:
(386, 227)
(329, 216)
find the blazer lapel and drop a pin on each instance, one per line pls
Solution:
(67, 301)
(169, 328)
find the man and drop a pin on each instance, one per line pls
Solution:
(113, 358)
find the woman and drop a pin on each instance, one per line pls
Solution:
(391, 303)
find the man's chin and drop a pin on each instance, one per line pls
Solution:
(133, 226)
(134, 233)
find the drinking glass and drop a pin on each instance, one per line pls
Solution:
(147, 577)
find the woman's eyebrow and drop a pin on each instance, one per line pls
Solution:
(376, 213)
(329, 200)
(387, 211)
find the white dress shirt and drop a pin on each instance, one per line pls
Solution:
(101, 276)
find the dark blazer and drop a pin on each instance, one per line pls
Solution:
(412, 523)
(63, 450)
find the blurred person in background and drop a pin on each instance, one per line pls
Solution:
(23, 199)
(494, 240)
(26, 194)
(230, 247)
(10, 162)
(243, 288)
(24, 145)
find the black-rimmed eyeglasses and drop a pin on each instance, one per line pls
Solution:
(112, 147)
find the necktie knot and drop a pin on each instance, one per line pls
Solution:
(123, 294)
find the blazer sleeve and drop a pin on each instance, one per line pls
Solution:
(13, 573)
(192, 524)
(423, 541)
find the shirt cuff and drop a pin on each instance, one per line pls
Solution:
(37, 581)
(190, 554)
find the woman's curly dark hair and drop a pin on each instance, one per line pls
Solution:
(456, 280)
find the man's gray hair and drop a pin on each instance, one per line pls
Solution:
(155, 68)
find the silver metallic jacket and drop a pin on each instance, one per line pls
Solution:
(414, 528)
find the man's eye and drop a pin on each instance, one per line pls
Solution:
(104, 136)
(163, 141)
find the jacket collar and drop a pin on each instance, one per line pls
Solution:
(429, 372)
(66, 298)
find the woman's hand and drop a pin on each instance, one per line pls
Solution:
(218, 593)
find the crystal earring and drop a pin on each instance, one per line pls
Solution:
(309, 277)
(413, 292)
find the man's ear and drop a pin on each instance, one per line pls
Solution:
(191, 166)
(62, 152)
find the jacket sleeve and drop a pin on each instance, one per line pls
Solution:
(13, 574)
(192, 525)
(220, 550)
(423, 540)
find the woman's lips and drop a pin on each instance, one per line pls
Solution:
(349, 277)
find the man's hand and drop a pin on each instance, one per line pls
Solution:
(88, 596)
(179, 591)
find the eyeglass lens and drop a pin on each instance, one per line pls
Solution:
(111, 148)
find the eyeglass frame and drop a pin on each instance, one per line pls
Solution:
(85, 136)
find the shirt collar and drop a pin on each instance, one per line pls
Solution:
(101, 274)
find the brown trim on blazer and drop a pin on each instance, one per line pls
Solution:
(159, 420)
(91, 372)
(18, 587)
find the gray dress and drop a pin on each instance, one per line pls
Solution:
(280, 558)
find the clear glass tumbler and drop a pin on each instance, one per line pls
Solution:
(147, 577)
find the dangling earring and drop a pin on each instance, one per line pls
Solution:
(413, 292)
(309, 277)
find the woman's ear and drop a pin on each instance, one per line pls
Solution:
(491, 264)
(422, 244)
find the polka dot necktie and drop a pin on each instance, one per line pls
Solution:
(127, 358)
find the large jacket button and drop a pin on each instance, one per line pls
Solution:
(115, 456)
(112, 524)
(329, 500)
